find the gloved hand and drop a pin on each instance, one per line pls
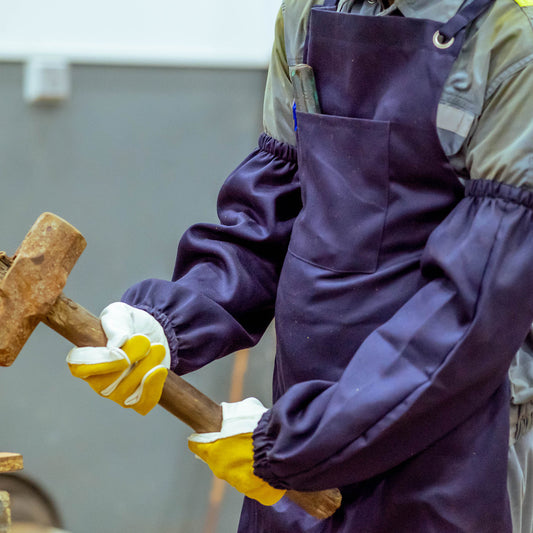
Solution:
(229, 453)
(132, 368)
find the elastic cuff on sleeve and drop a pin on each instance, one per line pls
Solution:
(277, 148)
(495, 189)
(169, 333)
(262, 445)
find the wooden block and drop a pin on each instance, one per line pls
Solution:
(5, 512)
(10, 462)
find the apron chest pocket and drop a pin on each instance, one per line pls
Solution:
(343, 167)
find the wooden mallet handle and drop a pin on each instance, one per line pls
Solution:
(179, 397)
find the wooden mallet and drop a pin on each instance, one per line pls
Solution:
(31, 285)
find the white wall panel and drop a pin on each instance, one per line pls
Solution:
(174, 32)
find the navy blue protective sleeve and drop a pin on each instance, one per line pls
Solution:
(430, 367)
(221, 297)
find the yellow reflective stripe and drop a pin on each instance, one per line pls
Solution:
(524, 3)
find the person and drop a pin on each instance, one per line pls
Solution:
(391, 238)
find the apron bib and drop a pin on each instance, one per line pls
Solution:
(375, 183)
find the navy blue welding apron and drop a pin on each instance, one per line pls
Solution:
(375, 183)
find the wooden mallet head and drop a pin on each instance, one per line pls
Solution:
(35, 280)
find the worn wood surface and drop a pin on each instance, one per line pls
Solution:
(5, 512)
(11, 462)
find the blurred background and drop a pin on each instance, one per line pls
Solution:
(124, 118)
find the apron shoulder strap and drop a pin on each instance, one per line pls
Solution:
(463, 17)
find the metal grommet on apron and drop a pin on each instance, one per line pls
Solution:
(441, 42)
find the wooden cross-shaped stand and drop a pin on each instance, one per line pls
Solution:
(9, 462)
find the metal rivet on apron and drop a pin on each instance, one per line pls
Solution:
(439, 42)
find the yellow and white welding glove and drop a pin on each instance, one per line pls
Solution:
(230, 452)
(132, 368)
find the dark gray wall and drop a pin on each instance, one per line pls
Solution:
(132, 159)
